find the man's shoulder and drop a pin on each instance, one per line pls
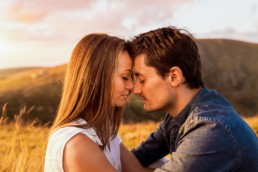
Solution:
(212, 117)
(212, 112)
(218, 119)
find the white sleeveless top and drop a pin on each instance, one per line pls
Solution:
(59, 138)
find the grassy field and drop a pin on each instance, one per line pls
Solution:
(22, 146)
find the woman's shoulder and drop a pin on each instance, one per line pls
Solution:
(81, 153)
(58, 138)
(64, 134)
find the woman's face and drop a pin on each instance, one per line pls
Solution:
(123, 83)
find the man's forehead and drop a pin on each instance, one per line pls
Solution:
(139, 60)
(139, 65)
(141, 69)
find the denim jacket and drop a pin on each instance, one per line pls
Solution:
(207, 135)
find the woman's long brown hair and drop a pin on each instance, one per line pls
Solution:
(87, 89)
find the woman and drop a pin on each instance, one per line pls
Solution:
(97, 84)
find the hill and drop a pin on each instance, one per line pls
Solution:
(228, 66)
(231, 67)
(5, 73)
(39, 88)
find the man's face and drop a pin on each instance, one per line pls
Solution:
(156, 92)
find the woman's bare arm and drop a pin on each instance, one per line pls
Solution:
(82, 154)
(129, 162)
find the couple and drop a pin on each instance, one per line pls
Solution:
(201, 131)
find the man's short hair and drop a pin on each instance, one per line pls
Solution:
(167, 47)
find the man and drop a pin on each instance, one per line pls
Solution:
(201, 131)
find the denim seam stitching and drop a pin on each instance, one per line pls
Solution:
(238, 152)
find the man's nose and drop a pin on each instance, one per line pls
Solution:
(136, 89)
(130, 86)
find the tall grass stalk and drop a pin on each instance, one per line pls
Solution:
(22, 145)
(3, 117)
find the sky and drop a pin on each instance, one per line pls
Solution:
(44, 32)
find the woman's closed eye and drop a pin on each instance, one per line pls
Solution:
(125, 78)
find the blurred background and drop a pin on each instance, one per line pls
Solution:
(37, 38)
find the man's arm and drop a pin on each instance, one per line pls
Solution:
(205, 146)
(156, 146)
(130, 162)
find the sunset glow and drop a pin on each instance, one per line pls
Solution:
(44, 32)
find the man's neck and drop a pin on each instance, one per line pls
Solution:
(184, 96)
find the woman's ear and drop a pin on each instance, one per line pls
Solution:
(176, 76)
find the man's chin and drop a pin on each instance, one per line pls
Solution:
(148, 110)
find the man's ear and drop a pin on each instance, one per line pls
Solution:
(176, 76)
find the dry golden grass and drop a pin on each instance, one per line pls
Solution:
(253, 122)
(133, 134)
(22, 146)
(22, 149)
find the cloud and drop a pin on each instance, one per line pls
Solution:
(253, 10)
(66, 20)
(54, 27)
(18, 12)
(37, 10)
(37, 20)
(46, 19)
(231, 33)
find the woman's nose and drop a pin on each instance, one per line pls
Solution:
(130, 85)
